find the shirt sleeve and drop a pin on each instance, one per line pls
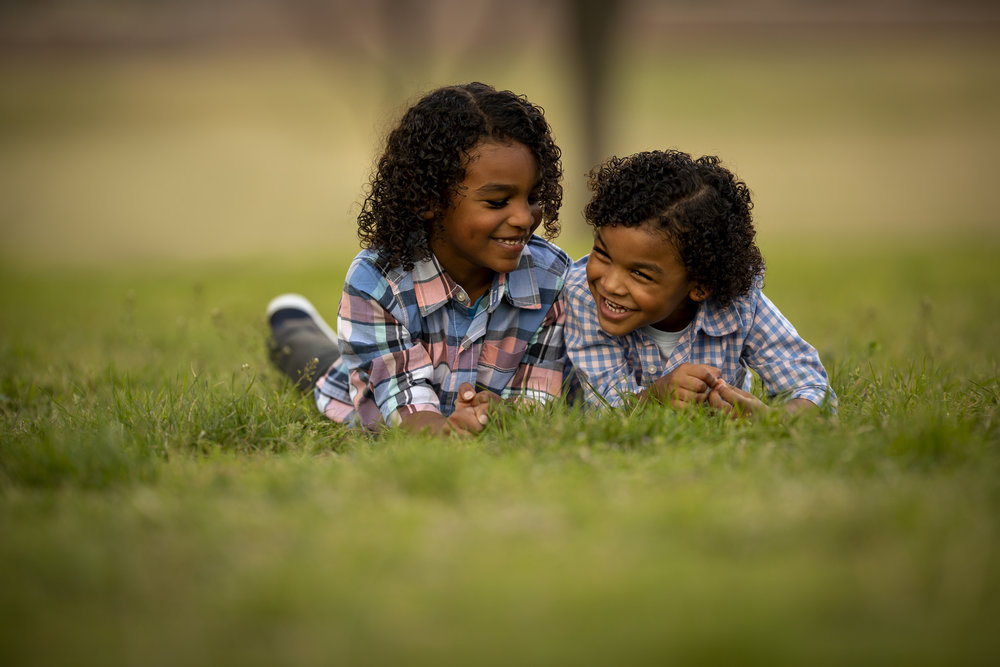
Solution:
(598, 359)
(539, 376)
(788, 366)
(385, 367)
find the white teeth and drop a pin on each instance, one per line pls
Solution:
(510, 242)
(614, 307)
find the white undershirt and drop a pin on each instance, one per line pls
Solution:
(666, 340)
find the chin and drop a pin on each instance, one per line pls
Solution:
(506, 266)
(614, 328)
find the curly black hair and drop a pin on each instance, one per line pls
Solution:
(424, 163)
(700, 205)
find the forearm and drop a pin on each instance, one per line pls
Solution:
(470, 416)
(785, 362)
(425, 421)
(797, 405)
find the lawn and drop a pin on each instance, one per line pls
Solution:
(166, 498)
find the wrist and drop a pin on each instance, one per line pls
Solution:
(425, 421)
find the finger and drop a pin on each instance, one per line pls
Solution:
(483, 412)
(698, 377)
(716, 401)
(717, 396)
(737, 396)
(466, 419)
(486, 397)
(694, 384)
(699, 386)
(726, 392)
(455, 430)
(681, 397)
(707, 374)
(744, 403)
(722, 385)
(466, 392)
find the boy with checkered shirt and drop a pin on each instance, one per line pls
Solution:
(668, 306)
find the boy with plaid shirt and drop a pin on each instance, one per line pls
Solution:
(668, 305)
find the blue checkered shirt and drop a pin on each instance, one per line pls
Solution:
(409, 339)
(749, 334)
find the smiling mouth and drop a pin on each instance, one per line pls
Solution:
(512, 243)
(614, 307)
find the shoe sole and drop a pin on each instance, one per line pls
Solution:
(299, 302)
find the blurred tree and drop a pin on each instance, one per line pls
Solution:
(591, 48)
(406, 40)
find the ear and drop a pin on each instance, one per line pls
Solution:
(427, 214)
(698, 293)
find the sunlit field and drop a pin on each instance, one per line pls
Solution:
(166, 498)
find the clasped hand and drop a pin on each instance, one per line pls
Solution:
(471, 414)
(697, 384)
(472, 410)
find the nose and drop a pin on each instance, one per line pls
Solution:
(612, 281)
(525, 215)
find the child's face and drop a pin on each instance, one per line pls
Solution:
(637, 279)
(493, 216)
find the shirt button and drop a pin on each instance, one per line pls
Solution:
(461, 297)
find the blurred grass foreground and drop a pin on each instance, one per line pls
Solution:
(166, 498)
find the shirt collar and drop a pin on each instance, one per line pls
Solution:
(521, 285)
(716, 321)
(433, 287)
(711, 319)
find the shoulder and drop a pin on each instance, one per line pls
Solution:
(752, 314)
(577, 289)
(739, 315)
(747, 303)
(768, 317)
(581, 310)
(577, 274)
(546, 257)
(367, 276)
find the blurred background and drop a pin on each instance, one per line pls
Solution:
(137, 132)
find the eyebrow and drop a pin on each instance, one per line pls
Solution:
(490, 188)
(495, 187)
(648, 268)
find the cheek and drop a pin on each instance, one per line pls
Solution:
(656, 300)
(536, 216)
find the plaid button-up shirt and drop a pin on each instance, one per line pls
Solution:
(409, 339)
(750, 334)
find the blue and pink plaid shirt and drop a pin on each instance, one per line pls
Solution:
(409, 339)
(749, 334)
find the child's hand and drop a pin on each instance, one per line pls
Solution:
(469, 397)
(465, 421)
(686, 385)
(472, 410)
(734, 401)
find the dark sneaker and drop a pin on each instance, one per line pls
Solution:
(287, 307)
(302, 345)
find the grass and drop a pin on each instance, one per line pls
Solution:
(166, 498)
